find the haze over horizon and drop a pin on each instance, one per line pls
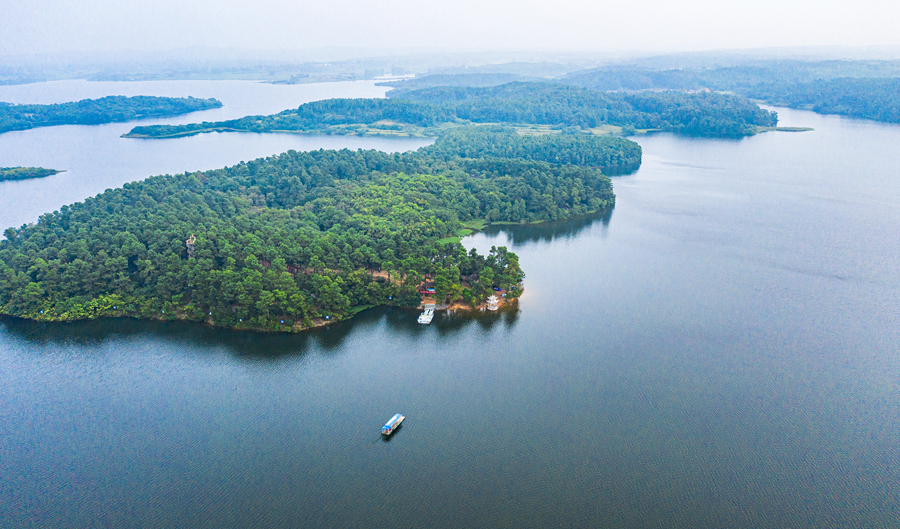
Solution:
(53, 26)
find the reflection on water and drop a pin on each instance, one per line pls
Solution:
(186, 335)
(248, 344)
(550, 231)
(455, 321)
(621, 170)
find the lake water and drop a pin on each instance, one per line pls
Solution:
(721, 350)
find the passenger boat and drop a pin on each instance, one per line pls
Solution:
(392, 424)
(426, 317)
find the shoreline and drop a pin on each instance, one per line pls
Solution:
(295, 328)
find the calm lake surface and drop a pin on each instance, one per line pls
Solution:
(720, 350)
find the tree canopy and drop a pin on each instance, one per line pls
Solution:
(576, 149)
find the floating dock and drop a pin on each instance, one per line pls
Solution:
(392, 424)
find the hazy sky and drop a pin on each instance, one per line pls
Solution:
(41, 26)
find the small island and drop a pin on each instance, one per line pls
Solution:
(25, 173)
(111, 109)
(297, 240)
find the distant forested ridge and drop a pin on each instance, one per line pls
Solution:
(730, 78)
(96, 111)
(860, 89)
(25, 173)
(288, 241)
(402, 86)
(877, 99)
(425, 111)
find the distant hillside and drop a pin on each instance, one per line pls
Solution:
(861, 89)
(466, 79)
(732, 78)
(876, 99)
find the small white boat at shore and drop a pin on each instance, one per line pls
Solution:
(392, 424)
(426, 317)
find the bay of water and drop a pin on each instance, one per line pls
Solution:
(720, 350)
(96, 158)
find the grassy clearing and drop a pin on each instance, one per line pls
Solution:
(447, 240)
(477, 224)
(604, 130)
(536, 130)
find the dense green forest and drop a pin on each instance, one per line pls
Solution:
(25, 173)
(576, 149)
(425, 111)
(96, 111)
(286, 242)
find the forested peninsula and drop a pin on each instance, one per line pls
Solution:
(430, 111)
(111, 109)
(291, 241)
(25, 173)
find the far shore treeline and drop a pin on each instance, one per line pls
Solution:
(858, 89)
(109, 109)
(286, 242)
(831, 87)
